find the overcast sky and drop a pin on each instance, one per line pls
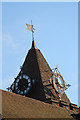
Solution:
(56, 35)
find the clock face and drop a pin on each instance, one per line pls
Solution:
(58, 82)
(23, 84)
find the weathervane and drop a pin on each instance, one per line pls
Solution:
(31, 28)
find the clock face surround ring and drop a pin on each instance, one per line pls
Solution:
(60, 88)
(23, 84)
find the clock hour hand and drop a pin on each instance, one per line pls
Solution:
(24, 87)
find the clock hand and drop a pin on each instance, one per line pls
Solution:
(24, 86)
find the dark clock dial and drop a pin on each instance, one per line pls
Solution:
(23, 84)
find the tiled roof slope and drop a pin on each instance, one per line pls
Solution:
(45, 76)
(35, 66)
(18, 106)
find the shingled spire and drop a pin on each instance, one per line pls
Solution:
(34, 67)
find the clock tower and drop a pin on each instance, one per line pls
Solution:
(36, 79)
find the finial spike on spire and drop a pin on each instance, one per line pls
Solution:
(34, 45)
